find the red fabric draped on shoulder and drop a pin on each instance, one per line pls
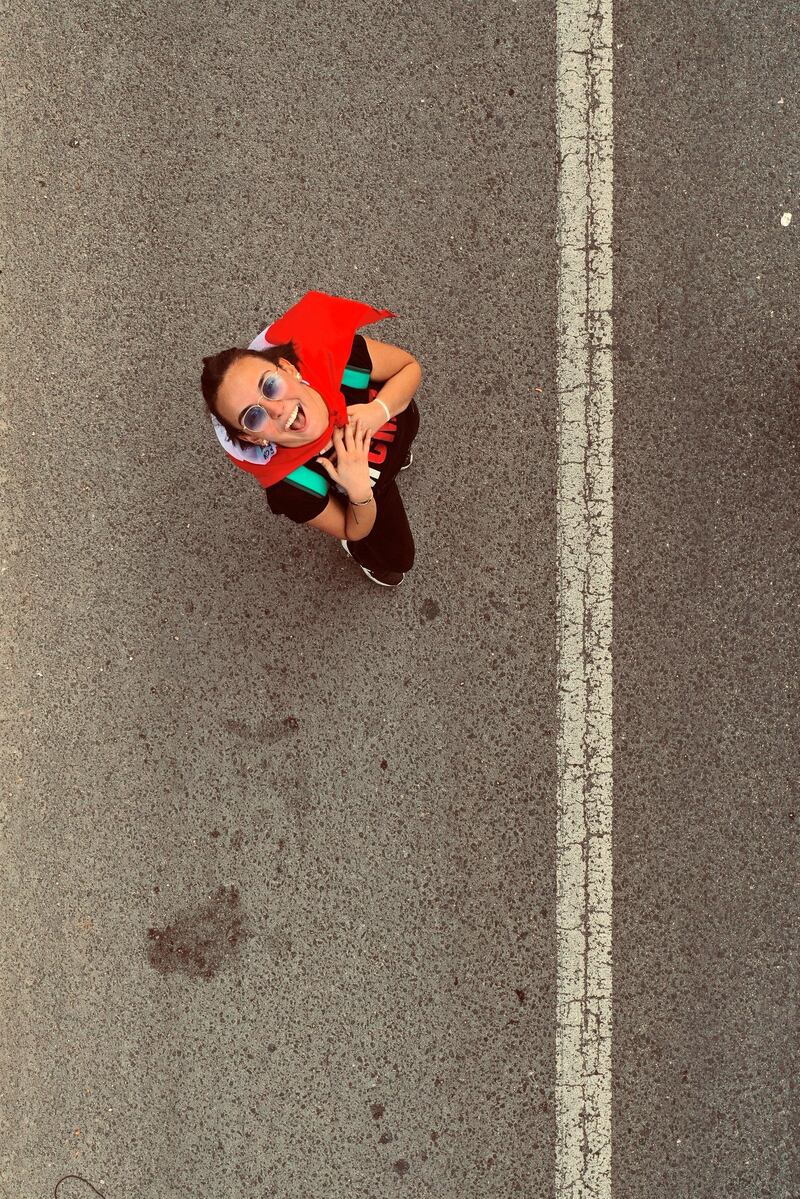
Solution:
(322, 328)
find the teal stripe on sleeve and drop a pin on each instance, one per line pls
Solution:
(355, 377)
(308, 480)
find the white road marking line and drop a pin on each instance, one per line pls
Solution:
(583, 906)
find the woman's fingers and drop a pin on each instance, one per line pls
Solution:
(329, 468)
(360, 432)
(353, 437)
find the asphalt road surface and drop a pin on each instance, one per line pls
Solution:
(279, 845)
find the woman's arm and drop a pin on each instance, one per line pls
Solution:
(400, 374)
(346, 522)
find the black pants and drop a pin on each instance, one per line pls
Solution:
(389, 544)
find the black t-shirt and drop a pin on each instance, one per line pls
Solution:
(388, 449)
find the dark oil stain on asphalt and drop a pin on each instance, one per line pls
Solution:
(268, 732)
(201, 940)
(429, 611)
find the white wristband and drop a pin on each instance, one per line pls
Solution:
(383, 406)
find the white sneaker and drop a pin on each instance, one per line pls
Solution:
(390, 578)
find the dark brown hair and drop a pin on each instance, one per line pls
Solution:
(214, 369)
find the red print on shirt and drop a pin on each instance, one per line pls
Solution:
(377, 453)
(386, 432)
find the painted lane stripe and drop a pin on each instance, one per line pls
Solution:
(583, 906)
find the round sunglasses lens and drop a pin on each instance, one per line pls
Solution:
(254, 418)
(271, 386)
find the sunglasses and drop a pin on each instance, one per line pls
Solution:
(272, 387)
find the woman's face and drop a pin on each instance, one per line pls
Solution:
(252, 383)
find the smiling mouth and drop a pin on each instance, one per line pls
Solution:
(297, 421)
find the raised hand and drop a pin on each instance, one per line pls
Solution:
(351, 470)
(371, 415)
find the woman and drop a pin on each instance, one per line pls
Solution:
(324, 418)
